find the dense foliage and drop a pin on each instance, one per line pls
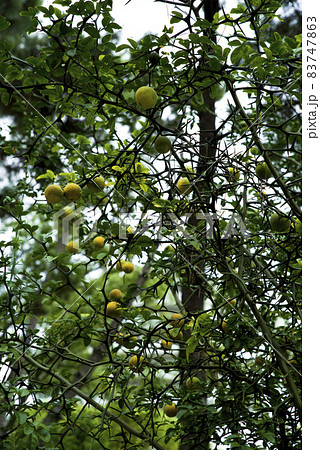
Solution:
(223, 251)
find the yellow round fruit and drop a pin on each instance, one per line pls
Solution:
(233, 174)
(224, 326)
(193, 383)
(176, 336)
(146, 97)
(183, 186)
(98, 242)
(177, 320)
(72, 247)
(280, 224)
(119, 265)
(127, 267)
(53, 193)
(115, 294)
(162, 144)
(136, 364)
(113, 309)
(72, 192)
(166, 345)
(170, 410)
(97, 184)
(263, 171)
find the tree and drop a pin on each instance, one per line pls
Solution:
(208, 316)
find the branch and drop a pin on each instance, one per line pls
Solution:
(88, 399)
(295, 208)
(268, 336)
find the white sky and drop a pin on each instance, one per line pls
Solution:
(140, 17)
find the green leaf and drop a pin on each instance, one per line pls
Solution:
(44, 434)
(49, 174)
(214, 63)
(268, 53)
(70, 176)
(236, 55)
(30, 13)
(28, 429)
(144, 187)
(257, 61)
(21, 417)
(92, 31)
(133, 43)
(4, 23)
(234, 43)
(5, 98)
(192, 343)
(268, 436)
(118, 169)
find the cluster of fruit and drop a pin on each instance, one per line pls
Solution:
(146, 97)
(72, 191)
(113, 309)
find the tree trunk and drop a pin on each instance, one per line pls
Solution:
(197, 434)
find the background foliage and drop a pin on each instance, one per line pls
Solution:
(229, 94)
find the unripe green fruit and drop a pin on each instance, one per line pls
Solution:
(193, 383)
(162, 144)
(97, 184)
(176, 335)
(127, 340)
(233, 174)
(146, 97)
(254, 151)
(263, 171)
(154, 58)
(298, 226)
(280, 224)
